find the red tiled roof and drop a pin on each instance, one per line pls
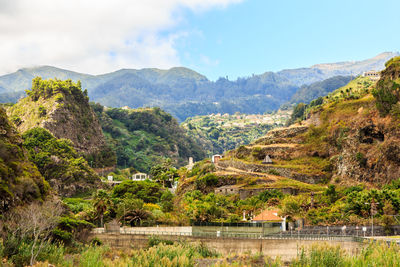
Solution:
(268, 216)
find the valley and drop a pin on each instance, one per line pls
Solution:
(329, 162)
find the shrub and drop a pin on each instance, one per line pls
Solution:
(361, 159)
(156, 240)
(274, 172)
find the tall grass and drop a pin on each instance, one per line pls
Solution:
(373, 254)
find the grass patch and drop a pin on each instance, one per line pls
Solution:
(305, 165)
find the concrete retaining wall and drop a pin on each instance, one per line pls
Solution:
(285, 249)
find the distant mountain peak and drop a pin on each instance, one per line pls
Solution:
(379, 61)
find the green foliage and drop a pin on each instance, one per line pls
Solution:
(57, 159)
(268, 194)
(143, 137)
(208, 180)
(331, 193)
(20, 180)
(48, 88)
(164, 172)
(320, 256)
(202, 167)
(385, 96)
(298, 113)
(207, 208)
(387, 88)
(77, 205)
(274, 172)
(42, 111)
(156, 240)
(220, 133)
(166, 201)
(317, 90)
(51, 252)
(372, 254)
(147, 191)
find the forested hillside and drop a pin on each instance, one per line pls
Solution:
(307, 93)
(142, 138)
(218, 133)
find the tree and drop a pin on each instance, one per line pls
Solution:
(34, 222)
(101, 202)
(132, 211)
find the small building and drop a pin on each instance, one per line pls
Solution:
(215, 158)
(190, 164)
(373, 75)
(270, 216)
(139, 176)
(226, 190)
(267, 160)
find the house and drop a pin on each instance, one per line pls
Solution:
(270, 216)
(215, 158)
(373, 75)
(267, 160)
(139, 176)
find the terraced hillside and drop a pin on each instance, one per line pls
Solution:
(343, 149)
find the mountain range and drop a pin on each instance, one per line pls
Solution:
(184, 92)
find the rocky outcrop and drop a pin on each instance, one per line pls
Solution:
(62, 108)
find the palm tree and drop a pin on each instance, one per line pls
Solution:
(132, 211)
(101, 202)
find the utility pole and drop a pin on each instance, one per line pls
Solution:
(373, 211)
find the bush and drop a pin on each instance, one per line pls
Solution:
(156, 240)
(274, 172)
(207, 180)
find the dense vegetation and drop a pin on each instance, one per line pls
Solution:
(219, 133)
(355, 89)
(20, 181)
(387, 92)
(63, 108)
(59, 163)
(307, 93)
(142, 138)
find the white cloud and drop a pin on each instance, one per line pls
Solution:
(93, 36)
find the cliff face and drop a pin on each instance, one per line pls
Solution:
(20, 180)
(62, 108)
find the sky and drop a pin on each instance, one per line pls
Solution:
(217, 38)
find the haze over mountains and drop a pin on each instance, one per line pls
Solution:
(184, 92)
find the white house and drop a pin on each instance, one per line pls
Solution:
(139, 176)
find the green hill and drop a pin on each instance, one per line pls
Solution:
(309, 92)
(142, 138)
(62, 108)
